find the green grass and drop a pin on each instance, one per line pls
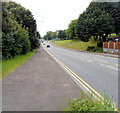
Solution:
(89, 103)
(10, 65)
(76, 44)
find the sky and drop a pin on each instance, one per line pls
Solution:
(52, 15)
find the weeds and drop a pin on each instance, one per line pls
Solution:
(89, 103)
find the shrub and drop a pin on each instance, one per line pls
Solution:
(22, 40)
(94, 49)
(18, 30)
(8, 46)
(90, 48)
(98, 49)
(100, 44)
(34, 43)
(15, 43)
(89, 103)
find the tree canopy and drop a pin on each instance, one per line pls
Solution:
(19, 34)
(71, 31)
(99, 20)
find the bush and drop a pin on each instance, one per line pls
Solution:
(8, 46)
(22, 40)
(15, 43)
(100, 44)
(90, 48)
(34, 43)
(17, 30)
(95, 49)
(89, 103)
(98, 49)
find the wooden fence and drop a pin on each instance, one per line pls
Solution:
(111, 47)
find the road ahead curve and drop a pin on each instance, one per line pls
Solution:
(98, 71)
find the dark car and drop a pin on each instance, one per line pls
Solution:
(48, 46)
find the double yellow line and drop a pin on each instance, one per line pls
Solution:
(78, 79)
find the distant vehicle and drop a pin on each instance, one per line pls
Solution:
(43, 43)
(48, 45)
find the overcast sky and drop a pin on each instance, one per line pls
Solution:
(52, 15)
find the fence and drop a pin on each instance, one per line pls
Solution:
(111, 47)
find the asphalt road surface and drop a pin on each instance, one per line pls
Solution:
(100, 72)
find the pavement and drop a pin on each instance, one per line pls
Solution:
(98, 71)
(40, 84)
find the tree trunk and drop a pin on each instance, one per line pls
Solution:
(95, 38)
(104, 37)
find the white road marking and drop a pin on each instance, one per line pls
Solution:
(89, 60)
(100, 60)
(86, 56)
(109, 67)
(86, 59)
(108, 57)
(118, 65)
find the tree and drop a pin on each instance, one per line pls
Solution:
(71, 31)
(25, 18)
(50, 35)
(38, 35)
(83, 27)
(15, 37)
(53, 34)
(62, 34)
(111, 8)
(95, 21)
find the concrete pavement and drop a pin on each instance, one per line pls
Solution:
(38, 85)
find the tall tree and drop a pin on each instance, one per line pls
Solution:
(17, 36)
(62, 34)
(71, 31)
(26, 19)
(95, 21)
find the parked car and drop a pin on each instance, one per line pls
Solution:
(48, 45)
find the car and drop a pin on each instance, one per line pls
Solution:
(48, 45)
(43, 43)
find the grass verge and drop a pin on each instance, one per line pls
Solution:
(89, 104)
(10, 65)
(76, 44)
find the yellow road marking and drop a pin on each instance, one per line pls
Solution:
(79, 80)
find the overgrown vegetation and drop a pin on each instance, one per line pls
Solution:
(89, 103)
(19, 34)
(10, 65)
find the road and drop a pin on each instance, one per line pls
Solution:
(100, 72)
